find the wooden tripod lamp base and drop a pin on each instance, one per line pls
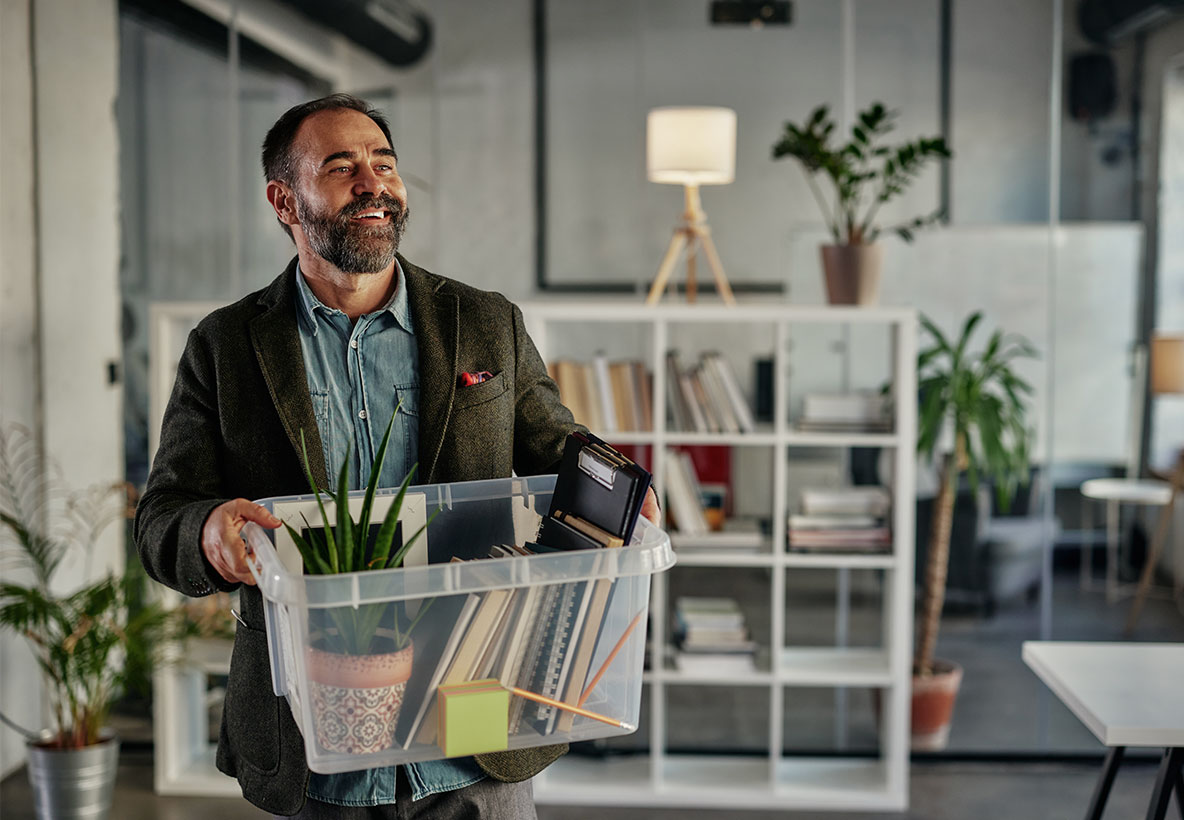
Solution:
(689, 237)
(691, 146)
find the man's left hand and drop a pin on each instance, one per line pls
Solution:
(649, 507)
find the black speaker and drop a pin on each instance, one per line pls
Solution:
(1093, 86)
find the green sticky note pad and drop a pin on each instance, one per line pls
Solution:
(474, 718)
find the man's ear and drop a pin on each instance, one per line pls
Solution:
(283, 200)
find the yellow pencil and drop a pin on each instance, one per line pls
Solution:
(604, 666)
(558, 704)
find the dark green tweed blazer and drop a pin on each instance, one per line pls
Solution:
(232, 429)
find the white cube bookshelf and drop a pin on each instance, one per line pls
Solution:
(773, 780)
(184, 754)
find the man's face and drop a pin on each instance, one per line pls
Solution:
(350, 200)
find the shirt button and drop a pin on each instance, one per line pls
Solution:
(353, 343)
(362, 415)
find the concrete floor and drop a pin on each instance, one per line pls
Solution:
(939, 791)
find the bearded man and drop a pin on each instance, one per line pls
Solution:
(350, 331)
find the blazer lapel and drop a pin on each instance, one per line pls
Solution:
(436, 315)
(277, 347)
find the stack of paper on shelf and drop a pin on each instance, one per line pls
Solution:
(683, 499)
(711, 637)
(609, 397)
(706, 397)
(741, 535)
(857, 412)
(842, 519)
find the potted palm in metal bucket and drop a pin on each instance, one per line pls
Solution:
(88, 644)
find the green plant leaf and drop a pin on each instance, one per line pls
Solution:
(363, 532)
(345, 524)
(330, 543)
(312, 560)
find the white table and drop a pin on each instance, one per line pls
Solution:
(1116, 492)
(1128, 694)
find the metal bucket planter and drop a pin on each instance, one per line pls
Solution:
(356, 699)
(74, 784)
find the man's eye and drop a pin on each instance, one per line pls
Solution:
(340, 169)
(386, 168)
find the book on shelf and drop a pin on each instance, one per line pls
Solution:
(842, 519)
(705, 397)
(863, 500)
(683, 499)
(737, 536)
(854, 412)
(711, 637)
(606, 396)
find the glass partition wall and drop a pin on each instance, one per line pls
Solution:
(1051, 228)
(1042, 233)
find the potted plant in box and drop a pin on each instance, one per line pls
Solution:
(90, 643)
(864, 175)
(980, 398)
(359, 658)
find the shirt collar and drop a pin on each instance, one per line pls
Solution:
(308, 303)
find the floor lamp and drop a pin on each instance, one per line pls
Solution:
(1167, 376)
(691, 147)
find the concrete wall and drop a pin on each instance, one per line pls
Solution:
(19, 372)
(59, 252)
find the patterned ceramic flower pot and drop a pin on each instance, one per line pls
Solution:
(356, 698)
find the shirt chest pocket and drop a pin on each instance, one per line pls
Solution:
(321, 411)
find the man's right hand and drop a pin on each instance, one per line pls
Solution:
(222, 543)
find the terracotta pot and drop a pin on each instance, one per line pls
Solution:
(852, 273)
(356, 698)
(933, 706)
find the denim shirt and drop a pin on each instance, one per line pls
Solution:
(357, 373)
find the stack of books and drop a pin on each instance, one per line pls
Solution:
(842, 519)
(608, 397)
(858, 412)
(706, 397)
(710, 637)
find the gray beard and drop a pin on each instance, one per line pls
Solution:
(349, 246)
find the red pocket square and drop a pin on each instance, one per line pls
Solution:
(469, 379)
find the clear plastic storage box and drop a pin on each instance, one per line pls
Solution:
(454, 657)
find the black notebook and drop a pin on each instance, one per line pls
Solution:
(597, 485)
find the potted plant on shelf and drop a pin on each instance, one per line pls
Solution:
(979, 398)
(89, 644)
(359, 658)
(864, 175)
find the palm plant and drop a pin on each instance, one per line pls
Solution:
(349, 546)
(980, 396)
(864, 174)
(91, 643)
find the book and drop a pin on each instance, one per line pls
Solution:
(846, 500)
(470, 651)
(685, 504)
(643, 395)
(550, 672)
(598, 604)
(441, 666)
(604, 394)
(727, 378)
(856, 407)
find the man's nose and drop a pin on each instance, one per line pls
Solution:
(368, 182)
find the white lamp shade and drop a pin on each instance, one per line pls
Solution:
(691, 146)
(1167, 363)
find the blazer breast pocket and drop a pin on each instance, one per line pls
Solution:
(480, 393)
